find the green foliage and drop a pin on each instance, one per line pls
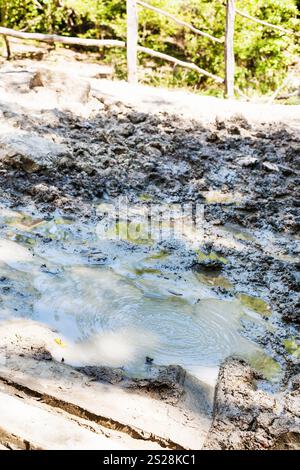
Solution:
(263, 54)
(16, 13)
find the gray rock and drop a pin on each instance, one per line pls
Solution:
(165, 382)
(208, 264)
(30, 152)
(125, 130)
(64, 85)
(152, 150)
(287, 170)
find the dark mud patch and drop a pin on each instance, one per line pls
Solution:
(167, 158)
(245, 175)
(164, 383)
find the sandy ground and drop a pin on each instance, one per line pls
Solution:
(189, 105)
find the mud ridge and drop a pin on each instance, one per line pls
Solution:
(87, 415)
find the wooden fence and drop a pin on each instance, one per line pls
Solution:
(132, 46)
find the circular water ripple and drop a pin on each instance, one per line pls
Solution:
(98, 303)
(145, 304)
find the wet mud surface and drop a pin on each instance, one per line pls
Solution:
(244, 174)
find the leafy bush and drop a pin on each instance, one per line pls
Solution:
(263, 54)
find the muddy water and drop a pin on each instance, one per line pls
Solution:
(115, 303)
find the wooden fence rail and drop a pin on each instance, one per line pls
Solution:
(265, 23)
(132, 47)
(180, 22)
(181, 63)
(54, 38)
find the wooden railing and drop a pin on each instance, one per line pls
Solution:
(228, 41)
(133, 47)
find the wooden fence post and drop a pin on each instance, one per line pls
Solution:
(229, 49)
(132, 40)
(8, 52)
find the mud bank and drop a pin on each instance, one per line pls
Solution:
(66, 146)
(168, 409)
(248, 418)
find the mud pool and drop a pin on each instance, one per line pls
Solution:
(122, 304)
(72, 299)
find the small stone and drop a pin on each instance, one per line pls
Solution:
(137, 118)
(220, 123)
(286, 170)
(149, 360)
(61, 83)
(216, 222)
(125, 130)
(213, 137)
(153, 151)
(247, 161)
(270, 166)
(111, 375)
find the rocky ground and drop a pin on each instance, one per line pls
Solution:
(65, 144)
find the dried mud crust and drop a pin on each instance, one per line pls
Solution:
(168, 407)
(248, 418)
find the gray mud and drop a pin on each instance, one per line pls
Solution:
(246, 175)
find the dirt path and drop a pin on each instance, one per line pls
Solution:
(203, 108)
